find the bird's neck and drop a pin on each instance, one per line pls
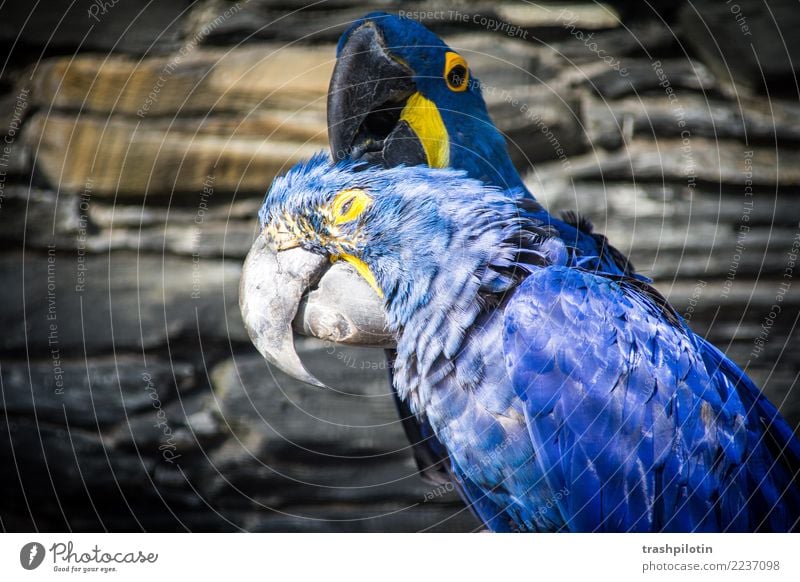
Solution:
(489, 162)
(434, 308)
(431, 336)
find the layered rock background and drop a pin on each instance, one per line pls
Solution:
(139, 139)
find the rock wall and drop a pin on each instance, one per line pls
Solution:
(139, 140)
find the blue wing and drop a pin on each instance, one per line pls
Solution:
(647, 426)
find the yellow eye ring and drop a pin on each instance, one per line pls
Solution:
(456, 72)
(349, 204)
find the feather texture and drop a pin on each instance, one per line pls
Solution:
(564, 399)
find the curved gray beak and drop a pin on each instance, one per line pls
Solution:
(293, 289)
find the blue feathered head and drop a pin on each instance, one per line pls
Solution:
(400, 95)
(408, 229)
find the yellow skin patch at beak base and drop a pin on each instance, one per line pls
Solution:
(348, 205)
(362, 269)
(424, 118)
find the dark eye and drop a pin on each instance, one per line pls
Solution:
(457, 76)
(346, 207)
(456, 72)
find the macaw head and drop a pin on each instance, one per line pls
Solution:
(408, 237)
(400, 95)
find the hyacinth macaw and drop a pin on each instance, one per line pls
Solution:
(401, 95)
(566, 399)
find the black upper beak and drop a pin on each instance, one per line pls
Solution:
(368, 91)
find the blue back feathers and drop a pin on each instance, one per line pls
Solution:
(566, 399)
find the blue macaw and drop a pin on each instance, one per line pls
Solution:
(566, 398)
(399, 95)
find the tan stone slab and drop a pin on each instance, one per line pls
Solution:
(263, 76)
(133, 157)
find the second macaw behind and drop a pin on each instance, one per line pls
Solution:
(401, 95)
